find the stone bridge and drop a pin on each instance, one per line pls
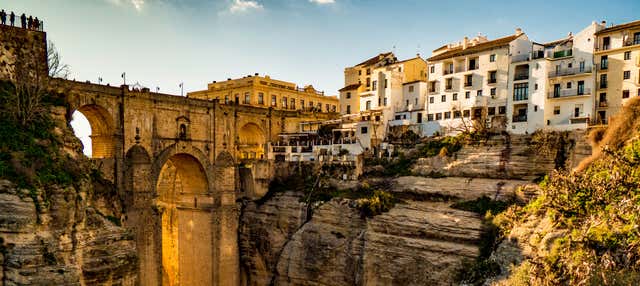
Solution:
(180, 163)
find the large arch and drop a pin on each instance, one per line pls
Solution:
(251, 142)
(102, 130)
(182, 189)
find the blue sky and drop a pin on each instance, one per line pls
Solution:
(165, 42)
(161, 43)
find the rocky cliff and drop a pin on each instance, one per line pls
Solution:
(422, 240)
(59, 220)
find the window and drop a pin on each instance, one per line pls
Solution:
(581, 66)
(429, 117)
(226, 99)
(467, 94)
(493, 91)
(327, 107)
(502, 109)
(492, 58)
(311, 104)
(493, 77)
(247, 98)
(348, 95)
(580, 87)
(449, 83)
(368, 105)
(603, 81)
(432, 69)
(411, 88)
(431, 99)
(384, 101)
(535, 86)
(348, 109)
(605, 43)
(385, 83)
(284, 102)
(479, 92)
(556, 110)
(456, 114)
(568, 85)
(492, 110)
(447, 115)
(293, 104)
(363, 130)
(604, 62)
(400, 69)
(274, 101)
(626, 75)
(407, 103)
(374, 85)
(443, 98)
(455, 97)
(368, 71)
(237, 98)
(368, 82)
(360, 72)
(638, 91)
(261, 98)
(535, 108)
(521, 91)
(466, 113)
(636, 38)
(468, 80)
(419, 119)
(625, 93)
(302, 104)
(415, 101)
(438, 116)
(397, 117)
(627, 55)
(333, 108)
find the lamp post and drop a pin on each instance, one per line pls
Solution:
(182, 89)
(124, 78)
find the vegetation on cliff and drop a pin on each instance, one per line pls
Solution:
(584, 228)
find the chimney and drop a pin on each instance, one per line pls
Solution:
(256, 74)
(465, 42)
(518, 31)
(569, 34)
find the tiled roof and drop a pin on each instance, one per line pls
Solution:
(350, 87)
(458, 51)
(619, 27)
(558, 42)
(374, 59)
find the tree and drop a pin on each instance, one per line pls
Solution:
(54, 61)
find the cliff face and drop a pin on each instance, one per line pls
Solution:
(420, 241)
(65, 234)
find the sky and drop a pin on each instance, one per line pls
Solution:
(162, 43)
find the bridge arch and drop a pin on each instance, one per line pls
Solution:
(251, 142)
(102, 130)
(183, 192)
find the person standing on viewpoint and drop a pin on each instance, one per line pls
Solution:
(23, 21)
(3, 17)
(12, 18)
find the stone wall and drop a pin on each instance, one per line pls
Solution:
(22, 52)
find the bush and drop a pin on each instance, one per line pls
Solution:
(380, 202)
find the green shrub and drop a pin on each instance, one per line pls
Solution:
(380, 202)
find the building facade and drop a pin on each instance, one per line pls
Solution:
(617, 57)
(263, 91)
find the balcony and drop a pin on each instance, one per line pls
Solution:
(474, 67)
(570, 71)
(519, 118)
(433, 90)
(491, 81)
(520, 58)
(447, 71)
(521, 76)
(448, 88)
(459, 69)
(602, 104)
(468, 83)
(602, 67)
(631, 42)
(562, 54)
(569, 93)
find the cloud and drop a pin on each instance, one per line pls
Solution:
(322, 2)
(240, 6)
(137, 4)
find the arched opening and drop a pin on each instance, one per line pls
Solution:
(251, 142)
(93, 125)
(186, 227)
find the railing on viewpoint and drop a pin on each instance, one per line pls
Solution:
(21, 21)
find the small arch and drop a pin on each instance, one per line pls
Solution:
(251, 142)
(102, 130)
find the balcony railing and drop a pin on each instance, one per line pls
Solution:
(474, 67)
(468, 83)
(631, 42)
(521, 76)
(603, 84)
(448, 87)
(491, 81)
(520, 58)
(570, 71)
(433, 90)
(602, 104)
(519, 118)
(459, 69)
(447, 71)
(602, 67)
(569, 92)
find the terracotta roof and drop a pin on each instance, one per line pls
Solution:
(374, 59)
(458, 51)
(350, 87)
(411, 59)
(419, 80)
(619, 27)
(558, 42)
